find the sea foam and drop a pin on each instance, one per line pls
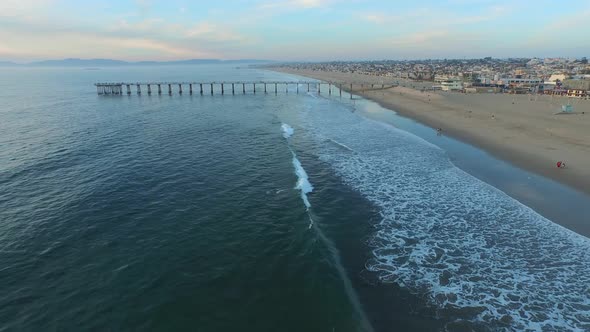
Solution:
(303, 184)
(287, 130)
(474, 252)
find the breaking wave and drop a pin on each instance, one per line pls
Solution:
(287, 130)
(303, 184)
(475, 253)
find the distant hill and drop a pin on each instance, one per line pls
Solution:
(78, 63)
(8, 64)
(111, 62)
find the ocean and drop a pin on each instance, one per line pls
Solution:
(262, 212)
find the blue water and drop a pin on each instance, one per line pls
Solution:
(257, 212)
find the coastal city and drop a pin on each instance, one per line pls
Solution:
(551, 76)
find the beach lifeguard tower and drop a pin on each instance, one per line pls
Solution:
(567, 108)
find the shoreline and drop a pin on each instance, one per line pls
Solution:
(515, 129)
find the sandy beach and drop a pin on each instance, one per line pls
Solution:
(521, 129)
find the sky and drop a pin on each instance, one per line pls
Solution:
(292, 30)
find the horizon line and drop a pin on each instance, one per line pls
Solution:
(17, 62)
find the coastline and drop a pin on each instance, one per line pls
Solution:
(521, 130)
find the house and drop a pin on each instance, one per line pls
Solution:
(577, 93)
(557, 77)
(451, 85)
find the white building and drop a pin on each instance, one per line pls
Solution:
(533, 81)
(451, 85)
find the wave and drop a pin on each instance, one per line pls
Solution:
(287, 130)
(303, 184)
(471, 250)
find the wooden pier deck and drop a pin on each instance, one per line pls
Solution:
(234, 88)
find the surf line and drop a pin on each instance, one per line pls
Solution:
(303, 184)
(305, 187)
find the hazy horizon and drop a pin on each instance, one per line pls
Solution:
(89, 61)
(290, 30)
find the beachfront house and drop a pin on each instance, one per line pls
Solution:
(577, 88)
(557, 77)
(523, 81)
(451, 85)
(577, 93)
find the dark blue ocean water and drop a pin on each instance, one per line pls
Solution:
(256, 213)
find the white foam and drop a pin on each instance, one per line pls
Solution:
(303, 183)
(287, 130)
(473, 251)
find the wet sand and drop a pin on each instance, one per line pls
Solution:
(520, 129)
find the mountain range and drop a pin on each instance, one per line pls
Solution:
(72, 62)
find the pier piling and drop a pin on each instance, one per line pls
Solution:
(170, 89)
(180, 88)
(159, 89)
(138, 89)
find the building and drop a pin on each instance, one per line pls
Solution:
(579, 84)
(557, 77)
(451, 85)
(522, 81)
(577, 93)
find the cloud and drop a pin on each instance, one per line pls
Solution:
(422, 38)
(436, 18)
(214, 32)
(92, 45)
(13, 8)
(579, 20)
(150, 38)
(376, 18)
(144, 6)
(160, 28)
(564, 32)
(288, 5)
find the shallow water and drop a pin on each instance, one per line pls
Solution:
(256, 212)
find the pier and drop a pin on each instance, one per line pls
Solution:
(223, 88)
